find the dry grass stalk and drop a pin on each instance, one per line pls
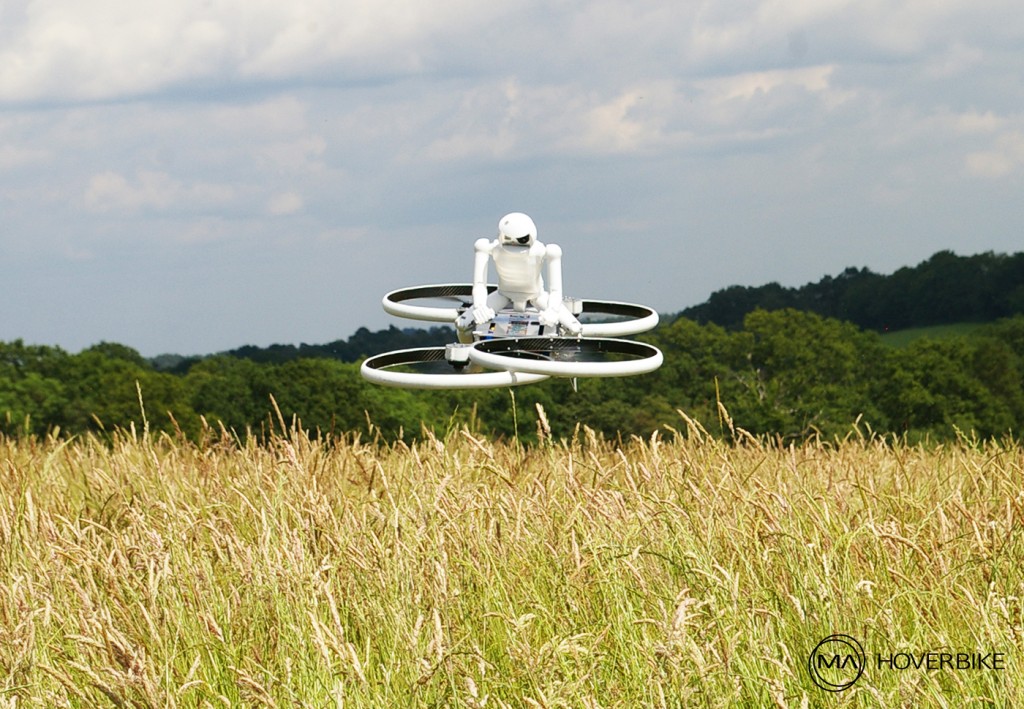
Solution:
(677, 570)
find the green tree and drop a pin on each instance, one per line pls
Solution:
(935, 387)
(231, 392)
(811, 373)
(112, 386)
(703, 364)
(32, 393)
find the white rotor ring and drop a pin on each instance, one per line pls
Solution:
(394, 304)
(377, 370)
(500, 354)
(640, 318)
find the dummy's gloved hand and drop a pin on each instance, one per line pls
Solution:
(553, 316)
(573, 326)
(477, 315)
(548, 318)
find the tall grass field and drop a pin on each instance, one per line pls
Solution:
(674, 571)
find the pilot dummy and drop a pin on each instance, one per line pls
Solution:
(519, 260)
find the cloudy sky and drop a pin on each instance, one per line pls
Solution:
(196, 175)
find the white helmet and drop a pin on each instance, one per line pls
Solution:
(517, 229)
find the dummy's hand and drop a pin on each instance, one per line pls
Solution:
(548, 318)
(555, 316)
(478, 315)
(482, 314)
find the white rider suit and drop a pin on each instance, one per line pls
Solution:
(520, 283)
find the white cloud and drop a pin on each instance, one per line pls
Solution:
(285, 203)
(13, 156)
(109, 191)
(634, 121)
(513, 120)
(947, 36)
(954, 61)
(989, 164)
(283, 114)
(1005, 157)
(749, 85)
(65, 50)
(204, 230)
(973, 122)
(779, 123)
(302, 154)
(112, 192)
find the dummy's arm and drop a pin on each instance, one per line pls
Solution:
(556, 311)
(478, 312)
(553, 256)
(482, 257)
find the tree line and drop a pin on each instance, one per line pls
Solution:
(362, 343)
(790, 362)
(944, 289)
(786, 373)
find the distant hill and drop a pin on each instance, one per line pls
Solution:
(363, 343)
(903, 338)
(787, 372)
(943, 290)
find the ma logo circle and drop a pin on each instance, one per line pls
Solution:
(836, 663)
